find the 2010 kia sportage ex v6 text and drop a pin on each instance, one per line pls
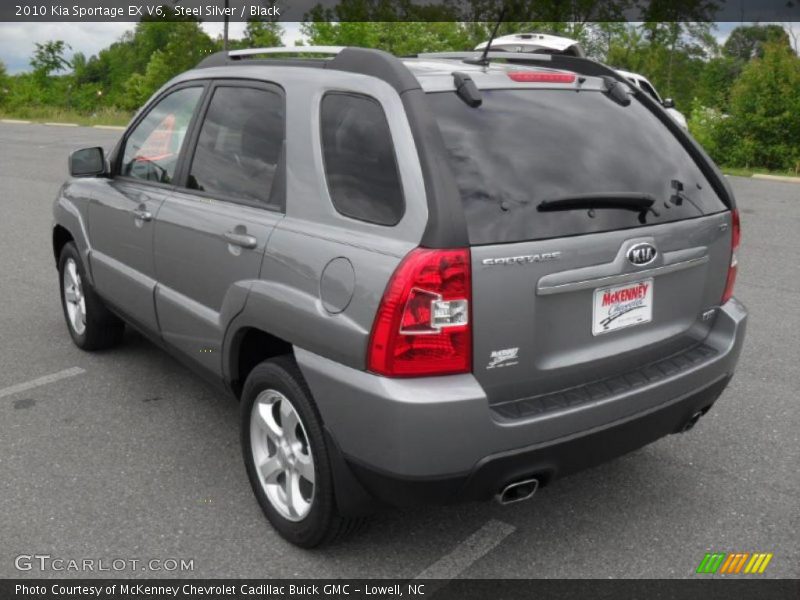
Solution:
(426, 280)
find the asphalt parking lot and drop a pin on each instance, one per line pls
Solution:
(126, 454)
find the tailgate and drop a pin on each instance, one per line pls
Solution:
(574, 278)
(559, 313)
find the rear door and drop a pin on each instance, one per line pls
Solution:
(121, 220)
(563, 298)
(211, 233)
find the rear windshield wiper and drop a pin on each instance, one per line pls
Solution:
(641, 203)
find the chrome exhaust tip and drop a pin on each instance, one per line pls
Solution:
(518, 491)
(692, 421)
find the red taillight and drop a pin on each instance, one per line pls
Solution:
(736, 235)
(423, 322)
(531, 77)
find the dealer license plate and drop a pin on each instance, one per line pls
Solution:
(622, 306)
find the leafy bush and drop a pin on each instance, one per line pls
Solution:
(704, 124)
(765, 110)
(4, 84)
(762, 128)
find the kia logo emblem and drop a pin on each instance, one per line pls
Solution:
(642, 254)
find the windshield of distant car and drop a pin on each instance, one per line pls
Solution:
(650, 90)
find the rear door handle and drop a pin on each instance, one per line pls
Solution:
(242, 240)
(142, 214)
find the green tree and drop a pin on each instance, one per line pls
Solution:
(601, 37)
(714, 82)
(5, 84)
(399, 27)
(186, 45)
(49, 58)
(78, 64)
(110, 70)
(764, 123)
(140, 86)
(398, 38)
(672, 55)
(747, 41)
(262, 34)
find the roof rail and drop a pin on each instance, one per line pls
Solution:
(498, 54)
(235, 54)
(221, 59)
(366, 61)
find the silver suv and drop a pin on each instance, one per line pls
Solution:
(442, 278)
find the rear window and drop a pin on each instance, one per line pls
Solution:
(521, 147)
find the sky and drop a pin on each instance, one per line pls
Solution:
(17, 40)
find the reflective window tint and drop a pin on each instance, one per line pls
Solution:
(152, 148)
(240, 144)
(521, 147)
(360, 164)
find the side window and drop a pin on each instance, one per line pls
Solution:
(360, 164)
(152, 148)
(239, 145)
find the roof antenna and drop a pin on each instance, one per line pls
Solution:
(484, 60)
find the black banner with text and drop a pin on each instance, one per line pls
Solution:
(382, 589)
(520, 11)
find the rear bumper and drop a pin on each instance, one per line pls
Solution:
(438, 440)
(545, 461)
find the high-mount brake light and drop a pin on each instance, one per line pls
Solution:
(534, 77)
(736, 235)
(422, 327)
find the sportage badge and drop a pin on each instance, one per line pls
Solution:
(522, 260)
(642, 254)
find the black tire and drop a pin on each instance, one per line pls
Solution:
(102, 328)
(323, 524)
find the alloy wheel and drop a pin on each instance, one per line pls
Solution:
(282, 455)
(74, 298)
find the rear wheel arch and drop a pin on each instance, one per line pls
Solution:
(248, 347)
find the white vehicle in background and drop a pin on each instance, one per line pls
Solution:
(643, 83)
(543, 43)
